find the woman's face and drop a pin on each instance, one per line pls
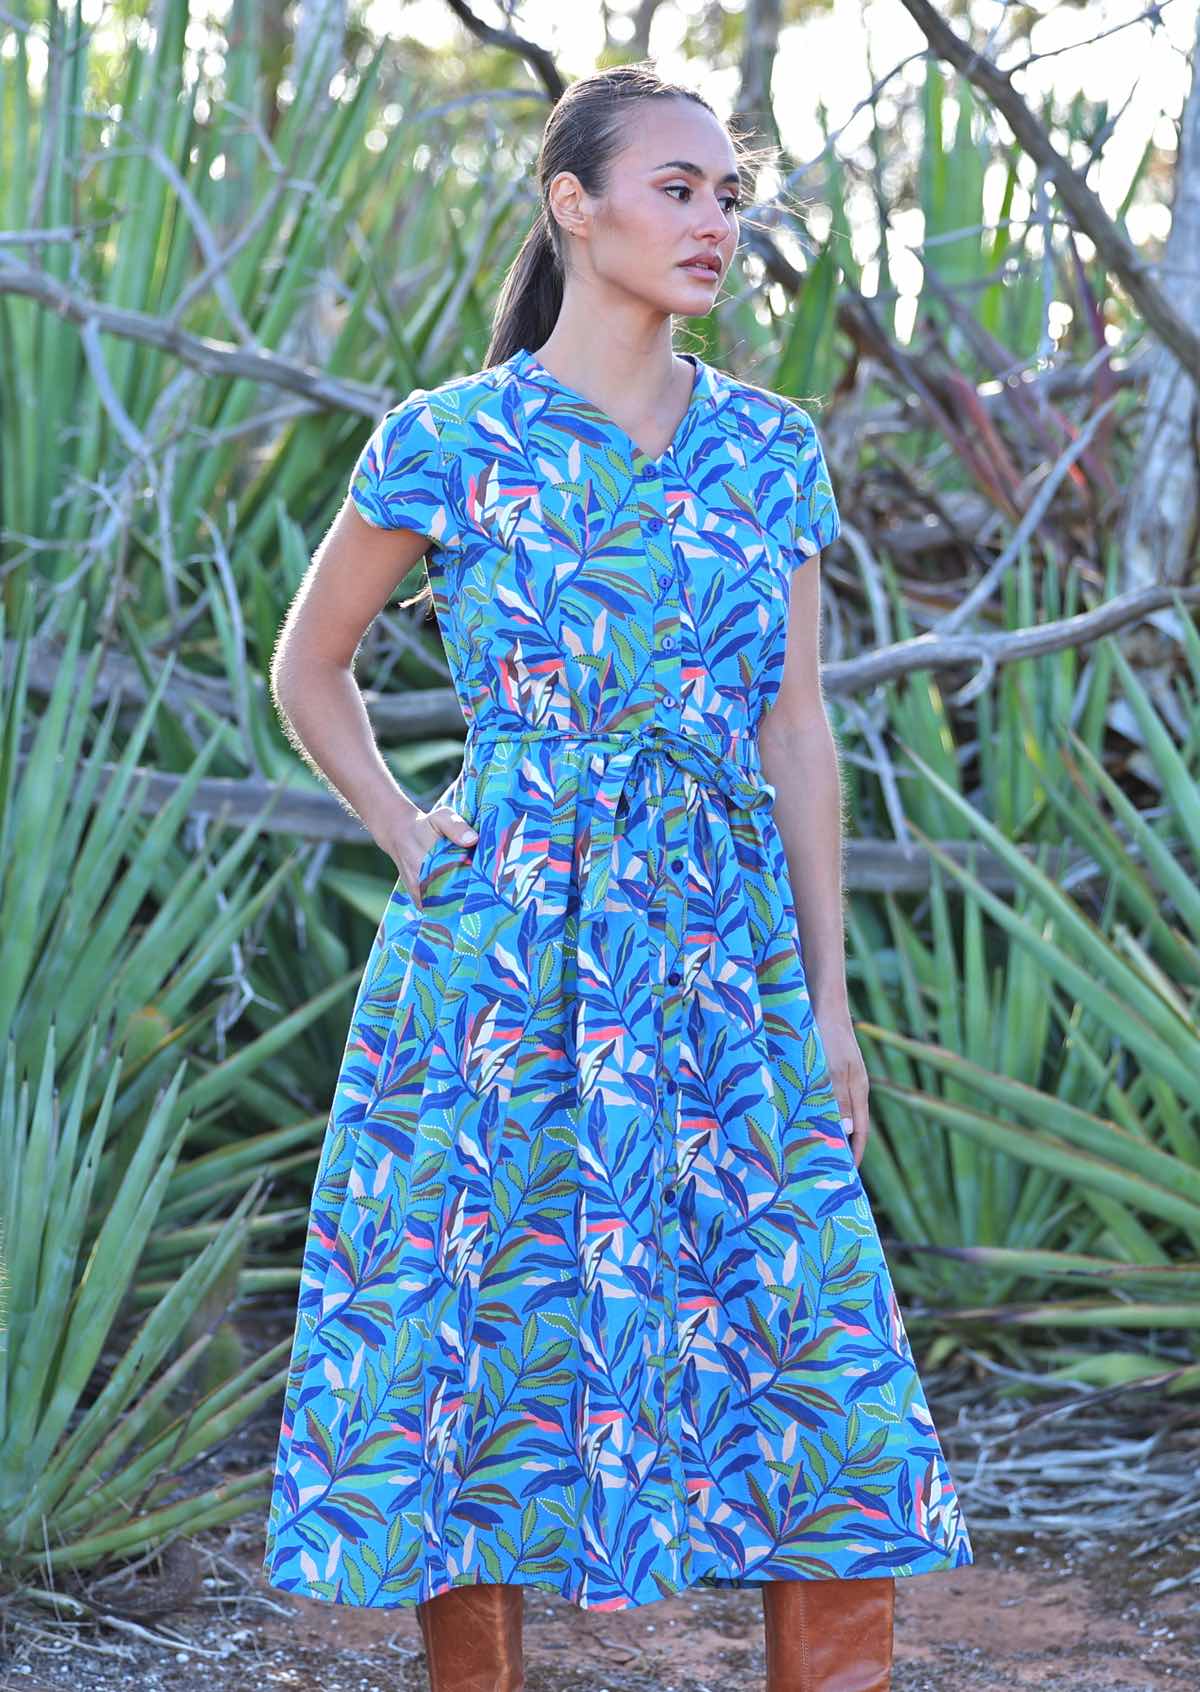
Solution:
(673, 194)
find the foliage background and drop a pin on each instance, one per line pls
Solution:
(231, 239)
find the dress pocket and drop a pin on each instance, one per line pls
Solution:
(438, 870)
(426, 866)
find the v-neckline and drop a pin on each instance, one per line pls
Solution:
(640, 456)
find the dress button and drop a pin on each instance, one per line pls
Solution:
(654, 525)
(669, 642)
(649, 471)
(676, 863)
(664, 582)
(670, 1086)
(669, 1194)
(669, 700)
(673, 978)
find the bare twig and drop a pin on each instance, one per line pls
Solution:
(1100, 1474)
(1114, 250)
(537, 56)
(417, 714)
(1152, 14)
(215, 358)
(414, 715)
(1030, 518)
(877, 866)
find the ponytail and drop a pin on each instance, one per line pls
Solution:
(532, 293)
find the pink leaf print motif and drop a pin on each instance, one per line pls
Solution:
(592, 1299)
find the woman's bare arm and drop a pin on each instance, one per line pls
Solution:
(354, 572)
(800, 760)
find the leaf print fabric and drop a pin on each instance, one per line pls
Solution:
(592, 1297)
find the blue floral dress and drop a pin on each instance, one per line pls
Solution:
(592, 1297)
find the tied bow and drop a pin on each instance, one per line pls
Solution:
(743, 788)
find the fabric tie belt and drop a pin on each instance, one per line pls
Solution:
(742, 785)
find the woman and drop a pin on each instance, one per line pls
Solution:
(592, 1296)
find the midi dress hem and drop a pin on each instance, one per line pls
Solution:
(578, 1595)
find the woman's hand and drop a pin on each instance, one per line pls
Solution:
(848, 1076)
(418, 837)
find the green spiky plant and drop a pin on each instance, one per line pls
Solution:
(120, 925)
(93, 1449)
(1038, 1093)
(358, 234)
(121, 1258)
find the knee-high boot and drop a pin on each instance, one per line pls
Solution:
(829, 1635)
(473, 1638)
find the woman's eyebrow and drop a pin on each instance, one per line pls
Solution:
(694, 169)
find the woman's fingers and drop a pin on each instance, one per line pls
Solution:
(426, 829)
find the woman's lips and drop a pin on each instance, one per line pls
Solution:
(698, 269)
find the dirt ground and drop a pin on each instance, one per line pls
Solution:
(1036, 1616)
(1036, 1612)
(1023, 1620)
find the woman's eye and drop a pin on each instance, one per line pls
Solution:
(732, 201)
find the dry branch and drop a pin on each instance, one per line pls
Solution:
(539, 57)
(338, 393)
(1090, 216)
(415, 715)
(1159, 523)
(871, 866)
(215, 358)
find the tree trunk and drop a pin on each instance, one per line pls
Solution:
(1158, 530)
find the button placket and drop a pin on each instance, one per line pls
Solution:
(668, 694)
(661, 753)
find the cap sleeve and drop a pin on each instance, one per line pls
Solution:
(816, 518)
(399, 481)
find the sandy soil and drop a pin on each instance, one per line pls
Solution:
(1034, 1613)
(1019, 1619)
(1034, 1616)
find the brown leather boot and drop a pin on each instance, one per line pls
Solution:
(473, 1638)
(829, 1635)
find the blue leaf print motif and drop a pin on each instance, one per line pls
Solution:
(592, 1299)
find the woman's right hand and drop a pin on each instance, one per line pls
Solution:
(419, 838)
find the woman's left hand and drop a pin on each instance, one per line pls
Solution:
(848, 1076)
